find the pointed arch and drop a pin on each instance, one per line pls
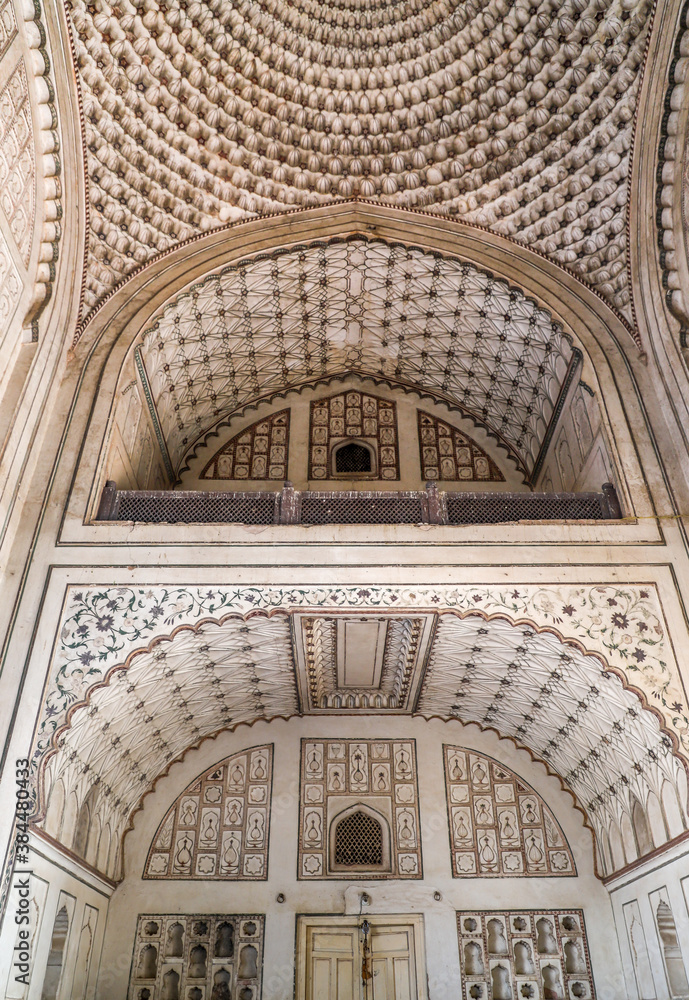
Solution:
(359, 840)
(642, 832)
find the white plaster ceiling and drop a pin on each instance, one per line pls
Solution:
(550, 698)
(368, 307)
(172, 697)
(562, 705)
(513, 115)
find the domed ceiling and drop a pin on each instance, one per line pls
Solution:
(514, 116)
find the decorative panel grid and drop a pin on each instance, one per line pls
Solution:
(498, 824)
(218, 827)
(258, 452)
(10, 285)
(525, 955)
(8, 25)
(353, 415)
(451, 456)
(339, 775)
(197, 957)
(17, 161)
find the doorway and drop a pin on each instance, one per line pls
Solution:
(377, 957)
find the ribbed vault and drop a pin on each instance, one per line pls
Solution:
(515, 116)
(562, 705)
(368, 307)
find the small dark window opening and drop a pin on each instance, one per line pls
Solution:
(353, 458)
(358, 841)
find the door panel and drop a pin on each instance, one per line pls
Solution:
(392, 951)
(331, 953)
(332, 957)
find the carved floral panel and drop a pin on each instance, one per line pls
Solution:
(8, 26)
(377, 777)
(218, 827)
(450, 456)
(258, 452)
(498, 824)
(353, 415)
(17, 161)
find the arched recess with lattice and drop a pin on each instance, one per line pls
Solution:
(108, 343)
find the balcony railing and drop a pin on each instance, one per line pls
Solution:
(290, 506)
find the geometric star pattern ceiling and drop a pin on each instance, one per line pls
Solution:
(515, 116)
(370, 307)
(169, 699)
(564, 706)
(550, 698)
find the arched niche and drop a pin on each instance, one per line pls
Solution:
(593, 328)
(642, 831)
(359, 841)
(353, 458)
(227, 679)
(56, 956)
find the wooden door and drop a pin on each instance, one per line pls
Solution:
(332, 963)
(393, 965)
(330, 956)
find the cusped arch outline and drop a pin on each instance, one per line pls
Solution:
(517, 622)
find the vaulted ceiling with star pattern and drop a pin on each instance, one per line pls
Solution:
(565, 707)
(358, 306)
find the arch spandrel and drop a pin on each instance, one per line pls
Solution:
(517, 653)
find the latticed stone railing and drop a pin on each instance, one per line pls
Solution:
(290, 506)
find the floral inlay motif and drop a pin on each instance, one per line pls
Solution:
(498, 824)
(218, 827)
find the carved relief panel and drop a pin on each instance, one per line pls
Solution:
(498, 824)
(8, 25)
(356, 417)
(359, 812)
(218, 827)
(258, 452)
(537, 955)
(449, 455)
(197, 957)
(17, 163)
(10, 285)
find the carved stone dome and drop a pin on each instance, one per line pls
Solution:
(516, 117)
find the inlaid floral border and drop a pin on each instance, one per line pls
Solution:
(102, 627)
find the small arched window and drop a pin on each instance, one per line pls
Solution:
(353, 458)
(359, 841)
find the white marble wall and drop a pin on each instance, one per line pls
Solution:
(134, 895)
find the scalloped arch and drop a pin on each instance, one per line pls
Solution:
(155, 702)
